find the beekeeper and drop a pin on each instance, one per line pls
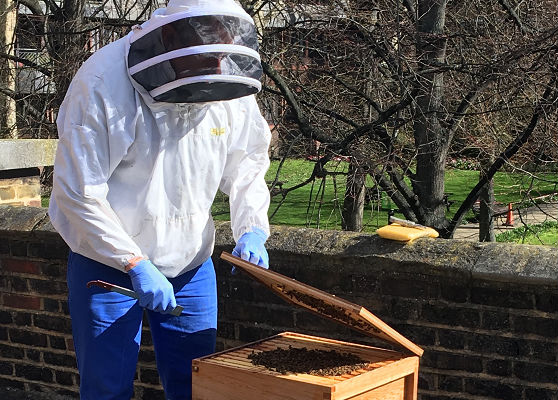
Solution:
(152, 126)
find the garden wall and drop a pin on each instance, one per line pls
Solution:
(21, 161)
(485, 314)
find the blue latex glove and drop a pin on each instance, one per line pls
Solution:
(154, 290)
(250, 247)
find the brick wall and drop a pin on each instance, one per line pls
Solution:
(485, 314)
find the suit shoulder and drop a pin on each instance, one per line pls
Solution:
(108, 60)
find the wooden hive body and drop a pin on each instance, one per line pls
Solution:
(389, 375)
(231, 375)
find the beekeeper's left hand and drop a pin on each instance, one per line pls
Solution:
(251, 247)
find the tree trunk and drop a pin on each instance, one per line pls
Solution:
(353, 203)
(430, 139)
(486, 213)
(8, 14)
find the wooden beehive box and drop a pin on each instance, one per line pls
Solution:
(231, 375)
(388, 374)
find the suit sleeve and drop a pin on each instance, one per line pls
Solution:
(247, 163)
(88, 152)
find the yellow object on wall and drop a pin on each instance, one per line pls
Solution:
(405, 233)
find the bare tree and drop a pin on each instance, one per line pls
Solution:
(434, 78)
(51, 41)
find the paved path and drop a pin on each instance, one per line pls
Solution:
(532, 215)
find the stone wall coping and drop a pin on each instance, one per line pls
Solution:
(27, 153)
(498, 261)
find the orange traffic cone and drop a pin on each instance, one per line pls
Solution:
(509, 216)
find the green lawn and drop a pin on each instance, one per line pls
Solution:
(545, 234)
(296, 209)
(508, 187)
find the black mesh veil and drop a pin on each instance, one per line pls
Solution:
(197, 59)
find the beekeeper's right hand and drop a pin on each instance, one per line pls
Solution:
(154, 290)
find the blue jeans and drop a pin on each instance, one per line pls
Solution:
(107, 326)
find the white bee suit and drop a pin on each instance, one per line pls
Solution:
(136, 178)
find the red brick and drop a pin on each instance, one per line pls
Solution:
(22, 302)
(24, 266)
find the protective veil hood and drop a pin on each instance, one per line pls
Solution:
(196, 51)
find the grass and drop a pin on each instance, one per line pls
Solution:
(542, 234)
(517, 188)
(297, 210)
(314, 205)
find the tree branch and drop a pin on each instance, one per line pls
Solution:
(514, 17)
(410, 10)
(26, 62)
(326, 111)
(550, 96)
(383, 117)
(33, 5)
(490, 73)
(461, 111)
(18, 97)
(306, 127)
(395, 195)
(407, 194)
(357, 91)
